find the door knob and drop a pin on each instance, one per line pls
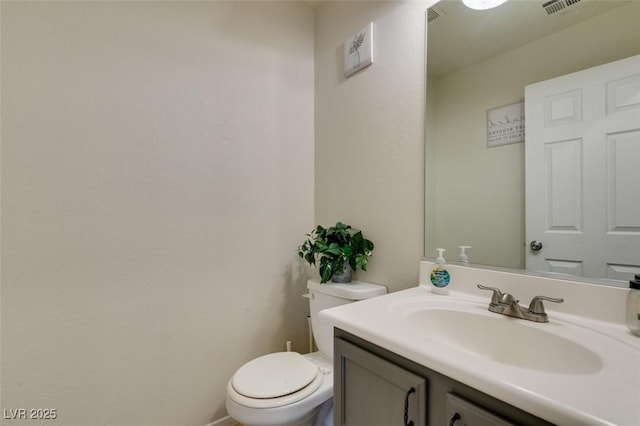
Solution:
(535, 245)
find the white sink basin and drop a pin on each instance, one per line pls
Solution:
(504, 339)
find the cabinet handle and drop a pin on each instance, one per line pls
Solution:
(454, 419)
(406, 408)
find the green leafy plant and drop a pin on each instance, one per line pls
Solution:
(330, 248)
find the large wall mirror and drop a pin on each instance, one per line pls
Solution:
(479, 63)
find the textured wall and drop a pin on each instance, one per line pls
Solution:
(369, 139)
(157, 177)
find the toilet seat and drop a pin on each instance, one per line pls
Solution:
(274, 380)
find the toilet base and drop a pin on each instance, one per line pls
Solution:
(255, 419)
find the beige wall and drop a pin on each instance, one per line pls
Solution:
(369, 137)
(479, 197)
(157, 177)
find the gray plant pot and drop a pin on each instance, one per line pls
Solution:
(345, 276)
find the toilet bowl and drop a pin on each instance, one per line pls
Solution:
(288, 388)
(255, 397)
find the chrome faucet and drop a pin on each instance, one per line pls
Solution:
(506, 304)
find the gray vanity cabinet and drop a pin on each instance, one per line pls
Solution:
(376, 387)
(369, 390)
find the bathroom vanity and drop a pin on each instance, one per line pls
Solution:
(412, 357)
(374, 386)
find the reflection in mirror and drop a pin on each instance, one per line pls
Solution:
(478, 61)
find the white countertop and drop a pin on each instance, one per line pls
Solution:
(609, 395)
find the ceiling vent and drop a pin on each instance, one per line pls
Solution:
(434, 12)
(555, 6)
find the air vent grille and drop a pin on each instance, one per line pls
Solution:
(431, 14)
(555, 6)
(434, 12)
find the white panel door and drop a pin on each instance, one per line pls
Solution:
(582, 167)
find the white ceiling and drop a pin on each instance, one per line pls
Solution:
(462, 37)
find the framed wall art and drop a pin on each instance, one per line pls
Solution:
(505, 125)
(358, 50)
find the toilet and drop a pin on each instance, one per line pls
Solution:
(290, 389)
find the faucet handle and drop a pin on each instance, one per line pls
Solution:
(497, 294)
(536, 306)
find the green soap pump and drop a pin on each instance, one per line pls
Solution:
(439, 275)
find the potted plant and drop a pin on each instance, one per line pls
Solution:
(338, 251)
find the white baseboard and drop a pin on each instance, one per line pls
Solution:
(225, 421)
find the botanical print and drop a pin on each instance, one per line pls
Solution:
(358, 50)
(354, 49)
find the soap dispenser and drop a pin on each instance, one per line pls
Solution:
(463, 256)
(439, 275)
(633, 306)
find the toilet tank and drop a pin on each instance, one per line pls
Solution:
(329, 295)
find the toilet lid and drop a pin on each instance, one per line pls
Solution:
(274, 375)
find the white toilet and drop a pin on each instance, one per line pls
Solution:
(287, 388)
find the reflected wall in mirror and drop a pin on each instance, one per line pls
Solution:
(480, 60)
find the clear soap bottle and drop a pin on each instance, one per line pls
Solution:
(439, 275)
(463, 256)
(633, 306)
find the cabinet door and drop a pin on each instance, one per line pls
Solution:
(464, 413)
(370, 391)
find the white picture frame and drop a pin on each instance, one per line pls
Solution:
(358, 51)
(505, 125)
